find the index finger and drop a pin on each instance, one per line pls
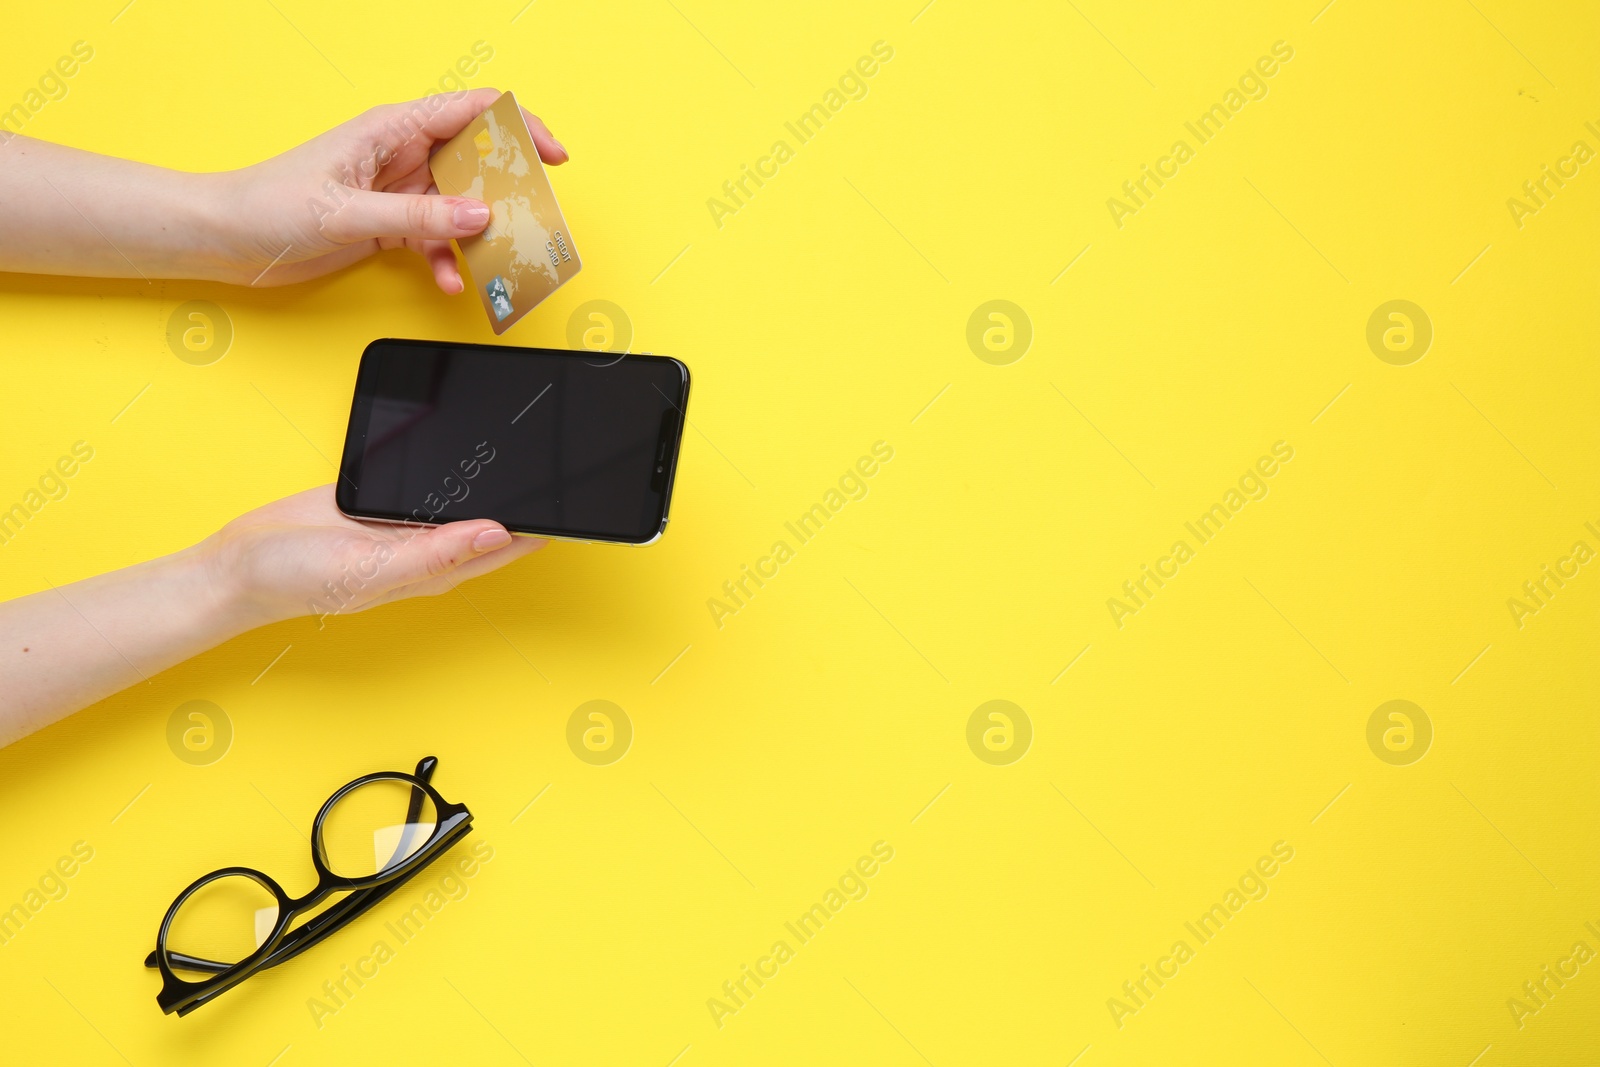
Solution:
(437, 118)
(550, 150)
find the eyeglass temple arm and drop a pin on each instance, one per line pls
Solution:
(408, 832)
(298, 941)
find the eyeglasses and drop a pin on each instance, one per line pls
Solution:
(369, 839)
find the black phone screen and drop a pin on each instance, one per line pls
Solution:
(569, 444)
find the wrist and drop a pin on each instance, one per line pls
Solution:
(221, 600)
(209, 206)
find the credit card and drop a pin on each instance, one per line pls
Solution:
(526, 252)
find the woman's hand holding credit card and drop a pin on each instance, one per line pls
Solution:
(366, 186)
(361, 187)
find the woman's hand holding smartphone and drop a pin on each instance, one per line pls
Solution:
(69, 646)
(300, 556)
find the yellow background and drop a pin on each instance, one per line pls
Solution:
(829, 712)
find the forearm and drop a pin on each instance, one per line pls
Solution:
(66, 648)
(66, 211)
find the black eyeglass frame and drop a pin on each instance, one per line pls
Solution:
(453, 821)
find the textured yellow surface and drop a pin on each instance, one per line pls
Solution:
(1175, 342)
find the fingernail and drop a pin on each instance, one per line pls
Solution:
(562, 147)
(490, 540)
(471, 216)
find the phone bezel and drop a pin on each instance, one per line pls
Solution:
(360, 418)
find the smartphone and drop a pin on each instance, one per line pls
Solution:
(576, 445)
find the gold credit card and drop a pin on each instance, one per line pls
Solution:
(526, 253)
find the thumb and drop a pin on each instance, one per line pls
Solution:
(438, 551)
(370, 214)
